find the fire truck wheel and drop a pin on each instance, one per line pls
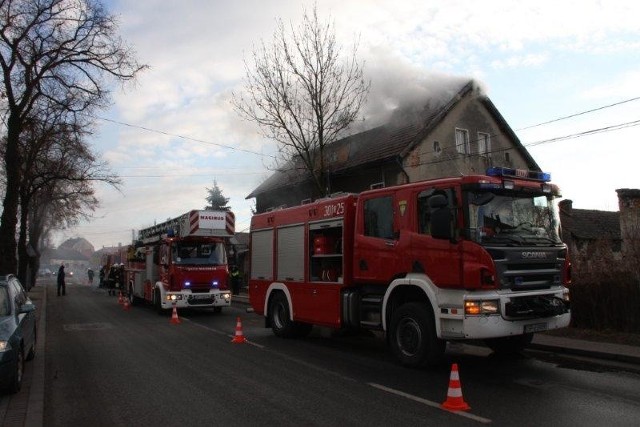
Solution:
(157, 303)
(412, 336)
(507, 346)
(133, 300)
(281, 323)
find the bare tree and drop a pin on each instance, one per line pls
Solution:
(55, 159)
(52, 52)
(301, 93)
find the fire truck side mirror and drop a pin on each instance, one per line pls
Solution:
(440, 217)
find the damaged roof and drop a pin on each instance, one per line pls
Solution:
(393, 140)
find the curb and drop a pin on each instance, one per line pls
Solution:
(625, 358)
(35, 413)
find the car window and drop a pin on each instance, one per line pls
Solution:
(4, 302)
(18, 290)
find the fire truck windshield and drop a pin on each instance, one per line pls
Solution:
(197, 253)
(513, 219)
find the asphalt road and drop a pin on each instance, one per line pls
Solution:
(106, 366)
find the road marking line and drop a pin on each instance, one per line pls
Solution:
(378, 386)
(430, 403)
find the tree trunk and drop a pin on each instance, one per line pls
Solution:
(9, 219)
(23, 256)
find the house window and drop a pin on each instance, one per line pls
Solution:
(507, 158)
(436, 148)
(462, 141)
(378, 217)
(484, 144)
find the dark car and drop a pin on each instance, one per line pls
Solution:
(17, 332)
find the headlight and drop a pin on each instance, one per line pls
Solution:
(226, 296)
(476, 308)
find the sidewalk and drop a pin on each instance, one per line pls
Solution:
(599, 350)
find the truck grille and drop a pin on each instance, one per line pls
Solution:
(528, 268)
(535, 307)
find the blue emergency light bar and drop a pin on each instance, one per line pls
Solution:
(519, 173)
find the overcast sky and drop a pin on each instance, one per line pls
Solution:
(173, 132)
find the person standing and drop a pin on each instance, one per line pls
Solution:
(101, 277)
(61, 284)
(90, 274)
(235, 280)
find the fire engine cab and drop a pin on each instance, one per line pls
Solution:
(182, 262)
(470, 257)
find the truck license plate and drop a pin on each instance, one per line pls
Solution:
(535, 327)
(203, 296)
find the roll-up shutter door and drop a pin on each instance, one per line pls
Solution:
(291, 253)
(262, 255)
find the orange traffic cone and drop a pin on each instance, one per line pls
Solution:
(239, 337)
(174, 316)
(454, 401)
(126, 306)
(120, 299)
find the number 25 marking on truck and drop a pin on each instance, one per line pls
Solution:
(334, 210)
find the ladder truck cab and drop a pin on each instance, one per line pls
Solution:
(461, 258)
(182, 262)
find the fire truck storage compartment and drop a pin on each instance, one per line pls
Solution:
(325, 241)
(262, 255)
(290, 263)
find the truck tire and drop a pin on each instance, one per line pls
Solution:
(157, 303)
(279, 317)
(509, 346)
(133, 300)
(412, 336)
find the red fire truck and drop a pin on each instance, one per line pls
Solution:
(182, 262)
(470, 257)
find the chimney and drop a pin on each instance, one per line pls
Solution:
(629, 205)
(566, 221)
(566, 206)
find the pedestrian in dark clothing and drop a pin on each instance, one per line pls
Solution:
(61, 284)
(90, 274)
(102, 274)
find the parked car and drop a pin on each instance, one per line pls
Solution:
(17, 332)
(44, 271)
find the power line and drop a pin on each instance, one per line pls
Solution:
(187, 138)
(586, 133)
(192, 175)
(580, 113)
